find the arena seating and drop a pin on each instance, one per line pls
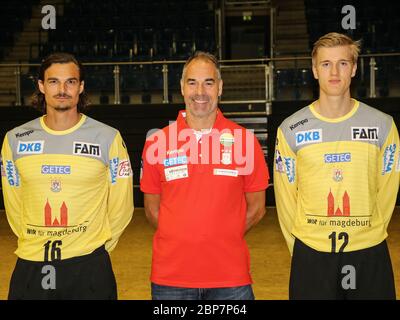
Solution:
(133, 30)
(12, 17)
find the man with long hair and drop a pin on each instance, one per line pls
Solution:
(67, 187)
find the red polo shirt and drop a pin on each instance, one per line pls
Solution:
(199, 242)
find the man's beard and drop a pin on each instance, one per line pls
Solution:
(62, 108)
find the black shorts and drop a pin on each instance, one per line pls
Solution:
(361, 274)
(85, 277)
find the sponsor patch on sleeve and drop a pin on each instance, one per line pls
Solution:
(114, 169)
(11, 173)
(124, 169)
(398, 162)
(290, 166)
(3, 173)
(279, 162)
(388, 158)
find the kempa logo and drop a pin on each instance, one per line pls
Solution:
(364, 133)
(301, 122)
(23, 134)
(87, 149)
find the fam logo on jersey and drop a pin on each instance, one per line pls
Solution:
(169, 162)
(337, 157)
(279, 162)
(12, 174)
(87, 149)
(388, 158)
(290, 169)
(124, 169)
(55, 169)
(114, 169)
(364, 133)
(55, 185)
(30, 147)
(310, 136)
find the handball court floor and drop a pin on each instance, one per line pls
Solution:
(270, 260)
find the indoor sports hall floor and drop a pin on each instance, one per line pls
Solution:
(131, 259)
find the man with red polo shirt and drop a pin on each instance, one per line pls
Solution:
(204, 179)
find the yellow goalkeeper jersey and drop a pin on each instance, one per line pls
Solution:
(66, 193)
(336, 180)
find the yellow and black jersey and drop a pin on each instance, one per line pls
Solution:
(336, 180)
(66, 193)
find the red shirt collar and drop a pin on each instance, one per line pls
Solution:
(218, 124)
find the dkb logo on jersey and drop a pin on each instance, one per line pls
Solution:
(55, 223)
(30, 147)
(364, 133)
(87, 149)
(310, 136)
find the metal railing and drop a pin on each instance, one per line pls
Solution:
(267, 64)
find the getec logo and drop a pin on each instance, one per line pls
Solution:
(30, 147)
(337, 157)
(175, 161)
(364, 133)
(54, 169)
(87, 149)
(310, 136)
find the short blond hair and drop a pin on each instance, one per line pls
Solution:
(334, 39)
